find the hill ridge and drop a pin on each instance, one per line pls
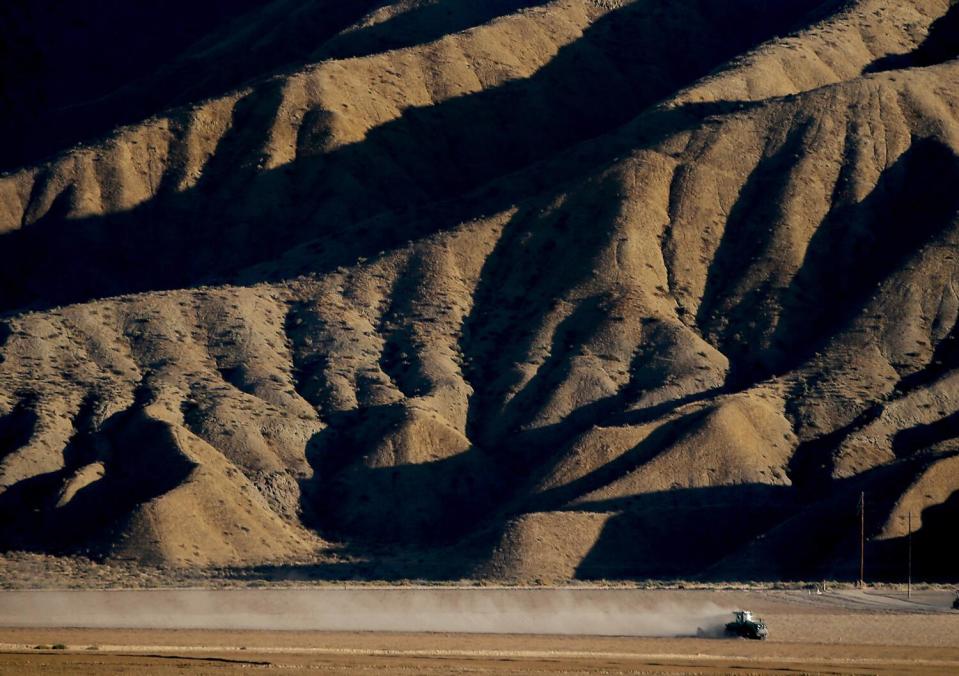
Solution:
(573, 320)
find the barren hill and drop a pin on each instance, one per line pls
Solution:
(517, 290)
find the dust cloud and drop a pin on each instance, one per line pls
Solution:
(499, 611)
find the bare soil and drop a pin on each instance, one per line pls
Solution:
(837, 632)
(94, 651)
(527, 291)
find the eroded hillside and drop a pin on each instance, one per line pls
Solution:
(516, 290)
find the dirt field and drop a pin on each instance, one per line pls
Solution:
(136, 651)
(843, 632)
(523, 291)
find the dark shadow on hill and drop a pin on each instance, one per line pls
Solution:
(570, 335)
(735, 312)
(443, 501)
(810, 468)
(419, 25)
(753, 531)
(363, 486)
(391, 562)
(432, 502)
(945, 358)
(680, 533)
(921, 437)
(440, 501)
(139, 462)
(935, 549)
(539, 258)
(18, 426)
(940, 45)
(655, 443)
(861, 245)
(464, 501)
(79, 84)
(708, 534)
(74, 71)
(821, 539)
(242, 216)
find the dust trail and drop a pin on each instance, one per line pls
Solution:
(513, 611)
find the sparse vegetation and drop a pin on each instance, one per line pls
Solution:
(566, 304)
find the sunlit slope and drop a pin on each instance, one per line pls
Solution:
(557, 295)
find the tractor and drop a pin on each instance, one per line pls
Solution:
(745, 626)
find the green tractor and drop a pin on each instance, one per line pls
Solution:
(745, 626)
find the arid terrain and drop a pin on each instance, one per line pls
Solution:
(843, 632)
(519, 290)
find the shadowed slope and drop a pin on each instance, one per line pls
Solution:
(428, 154)
(556, 296)
(938, 47)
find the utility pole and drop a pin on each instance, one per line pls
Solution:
(862, 538)
(909, 574)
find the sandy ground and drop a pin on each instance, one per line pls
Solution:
(136, 651)
(642, 252)
(845, 632)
